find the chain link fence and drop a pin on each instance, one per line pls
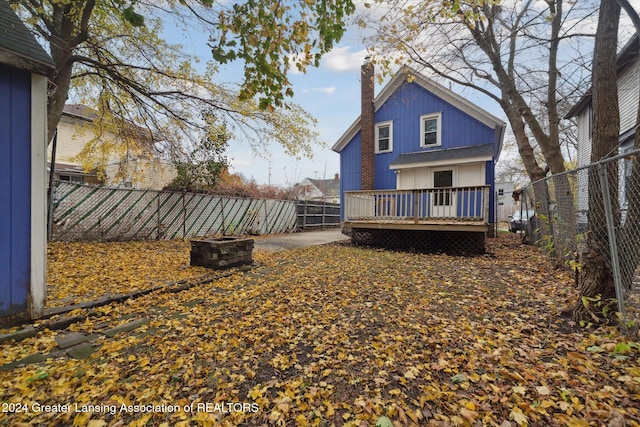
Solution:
(591, 217)
(88, 213)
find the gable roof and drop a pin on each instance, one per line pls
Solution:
(80, 111)
(18, 47)
(433, 157)
(626, 55)
(328, 187)
(407, 73)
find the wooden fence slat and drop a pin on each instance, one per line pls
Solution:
(85, 212)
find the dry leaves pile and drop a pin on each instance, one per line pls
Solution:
(78, 272)
(333, 335)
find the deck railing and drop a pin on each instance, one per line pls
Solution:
(448, 203)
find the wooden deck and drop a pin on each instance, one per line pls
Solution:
(436, 209)
(452, 219)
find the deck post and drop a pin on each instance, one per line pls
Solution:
(486, 204)
(415, 206)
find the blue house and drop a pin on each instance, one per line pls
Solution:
(24, 67)
(417, 167)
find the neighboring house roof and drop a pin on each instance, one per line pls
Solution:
(18, 46)
(66, 168)
(407, 73)
(80, 111)
(328, 187)
(628, 53)
(446, 155)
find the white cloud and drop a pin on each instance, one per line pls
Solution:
(340, 59)
(328, 90)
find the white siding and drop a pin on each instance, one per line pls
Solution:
(73, 135)
(464, 175)
(505, 202)
(405, 179)
(71, 139)
(584, 137)
(471, 174)
(584, 157)
(628, 97)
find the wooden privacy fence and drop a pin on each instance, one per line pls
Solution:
(87, 213)
(313, 215)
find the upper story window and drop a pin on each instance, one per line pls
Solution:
(384, 137)
(430, 130)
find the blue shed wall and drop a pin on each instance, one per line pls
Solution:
(15, 191)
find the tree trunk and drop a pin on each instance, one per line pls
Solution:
(597, 277)
(57, 101)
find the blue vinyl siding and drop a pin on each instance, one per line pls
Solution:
(404, 108)
(410, 102)
(350, 168)
(15, 191)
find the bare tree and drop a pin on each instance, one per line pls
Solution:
(527, 56)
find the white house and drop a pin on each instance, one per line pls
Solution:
(504, 200)
(128, 168)
(325, 190)
(628, 96)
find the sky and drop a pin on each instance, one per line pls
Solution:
(330, 93)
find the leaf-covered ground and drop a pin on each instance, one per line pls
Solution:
(331, 335)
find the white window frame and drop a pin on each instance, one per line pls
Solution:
(438, 117)
(377, 135)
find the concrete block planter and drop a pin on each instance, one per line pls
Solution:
(221, 252)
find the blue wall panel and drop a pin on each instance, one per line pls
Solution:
(15, 191)
(350, 169)
(404, 108)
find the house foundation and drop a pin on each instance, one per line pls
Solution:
(450, 242)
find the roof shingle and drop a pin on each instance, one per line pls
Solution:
(18, 46)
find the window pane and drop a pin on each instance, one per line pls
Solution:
(443, 198)
(430, 139)
(443, 179)
(430, 131)
(431, 125)
(383, 137)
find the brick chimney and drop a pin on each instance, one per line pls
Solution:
(367, 126)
